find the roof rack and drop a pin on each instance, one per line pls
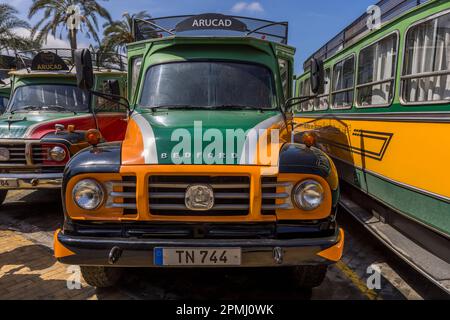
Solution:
(105, 60)
(390, 9)
(212, 25)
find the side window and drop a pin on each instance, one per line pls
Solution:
(426, 69)
(376, 73)
(297, 107)
(343, 84)
(135, 68)
(309, 104)
(322, 102)
(106, 105)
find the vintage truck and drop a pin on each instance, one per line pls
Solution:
(48, 116)
(208, 174)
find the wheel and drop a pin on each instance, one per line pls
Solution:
(310, 276)
(3, 194)
(101, 277)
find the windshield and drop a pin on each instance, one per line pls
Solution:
(49, 97)
(209, 84)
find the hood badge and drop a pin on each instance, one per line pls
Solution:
(12, 120)
(199, 197)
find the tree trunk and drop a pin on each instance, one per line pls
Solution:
(73, 39)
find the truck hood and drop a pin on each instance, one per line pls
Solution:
(30, 125)
(197, 136)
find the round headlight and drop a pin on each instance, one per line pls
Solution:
(57, 154)
(308, 195)
(88, 194)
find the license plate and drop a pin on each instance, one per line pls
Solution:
(197, 256)
(8, 183)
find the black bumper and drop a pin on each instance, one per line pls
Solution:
(138, 252)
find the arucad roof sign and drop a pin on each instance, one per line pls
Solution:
(211, 21)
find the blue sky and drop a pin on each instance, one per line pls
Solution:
(311, 22)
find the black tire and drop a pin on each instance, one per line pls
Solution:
(3, 194)
(101, 277)
(309, 276)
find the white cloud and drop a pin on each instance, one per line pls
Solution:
(251, 7)
(51, 42)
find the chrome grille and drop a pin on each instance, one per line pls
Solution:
(122, 194)
(39, 153)
(231, 195)
(272, 190)
(17, 153)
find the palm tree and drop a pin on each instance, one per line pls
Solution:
(57, 13)
(119, 33)
(9, 23)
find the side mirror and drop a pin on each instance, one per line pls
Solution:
(114, 87)
(85, 71)
(317, 76)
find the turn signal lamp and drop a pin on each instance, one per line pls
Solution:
(93, 136)
(308, 139)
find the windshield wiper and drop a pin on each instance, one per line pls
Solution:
(174, 106)
(235, 107)
(46, 107)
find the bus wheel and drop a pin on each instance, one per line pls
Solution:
(3, 194)
(101, 277)
(309, 276)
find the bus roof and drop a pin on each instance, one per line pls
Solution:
(210, 25)
(389, 10)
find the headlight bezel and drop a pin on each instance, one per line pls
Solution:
(93, 182)
(303, 186)
(62, 154)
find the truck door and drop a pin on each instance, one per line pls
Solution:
(111, 116)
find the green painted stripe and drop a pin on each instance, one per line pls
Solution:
(431, 211)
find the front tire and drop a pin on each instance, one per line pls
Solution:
(309, 276)
(3, 194)
(101, 277)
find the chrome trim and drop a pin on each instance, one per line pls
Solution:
(284, 195)
(34, 180)
(183, 207)
(111, 195)
(185, 185)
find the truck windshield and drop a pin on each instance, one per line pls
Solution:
(209, 84)
(49, 97)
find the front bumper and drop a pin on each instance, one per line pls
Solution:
(30, 180)
(96, 251)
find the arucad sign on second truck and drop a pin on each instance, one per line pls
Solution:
(208, 174)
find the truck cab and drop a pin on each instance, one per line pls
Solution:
(208, 174)
(48, 116)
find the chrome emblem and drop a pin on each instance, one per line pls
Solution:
(4, 154)
(199, 197)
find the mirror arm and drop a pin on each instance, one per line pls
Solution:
(113, 98)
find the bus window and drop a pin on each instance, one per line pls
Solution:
(376, 73)
(309, 104)
(284, 72)
(297, 107)
(322, 102)
(426, 72)
(343, 83)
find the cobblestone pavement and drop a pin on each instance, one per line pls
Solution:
(28, 269)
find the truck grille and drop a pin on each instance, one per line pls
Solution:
(231, 195)
(275, 195)
(122, 194)
(17, 153)
(39, 153)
